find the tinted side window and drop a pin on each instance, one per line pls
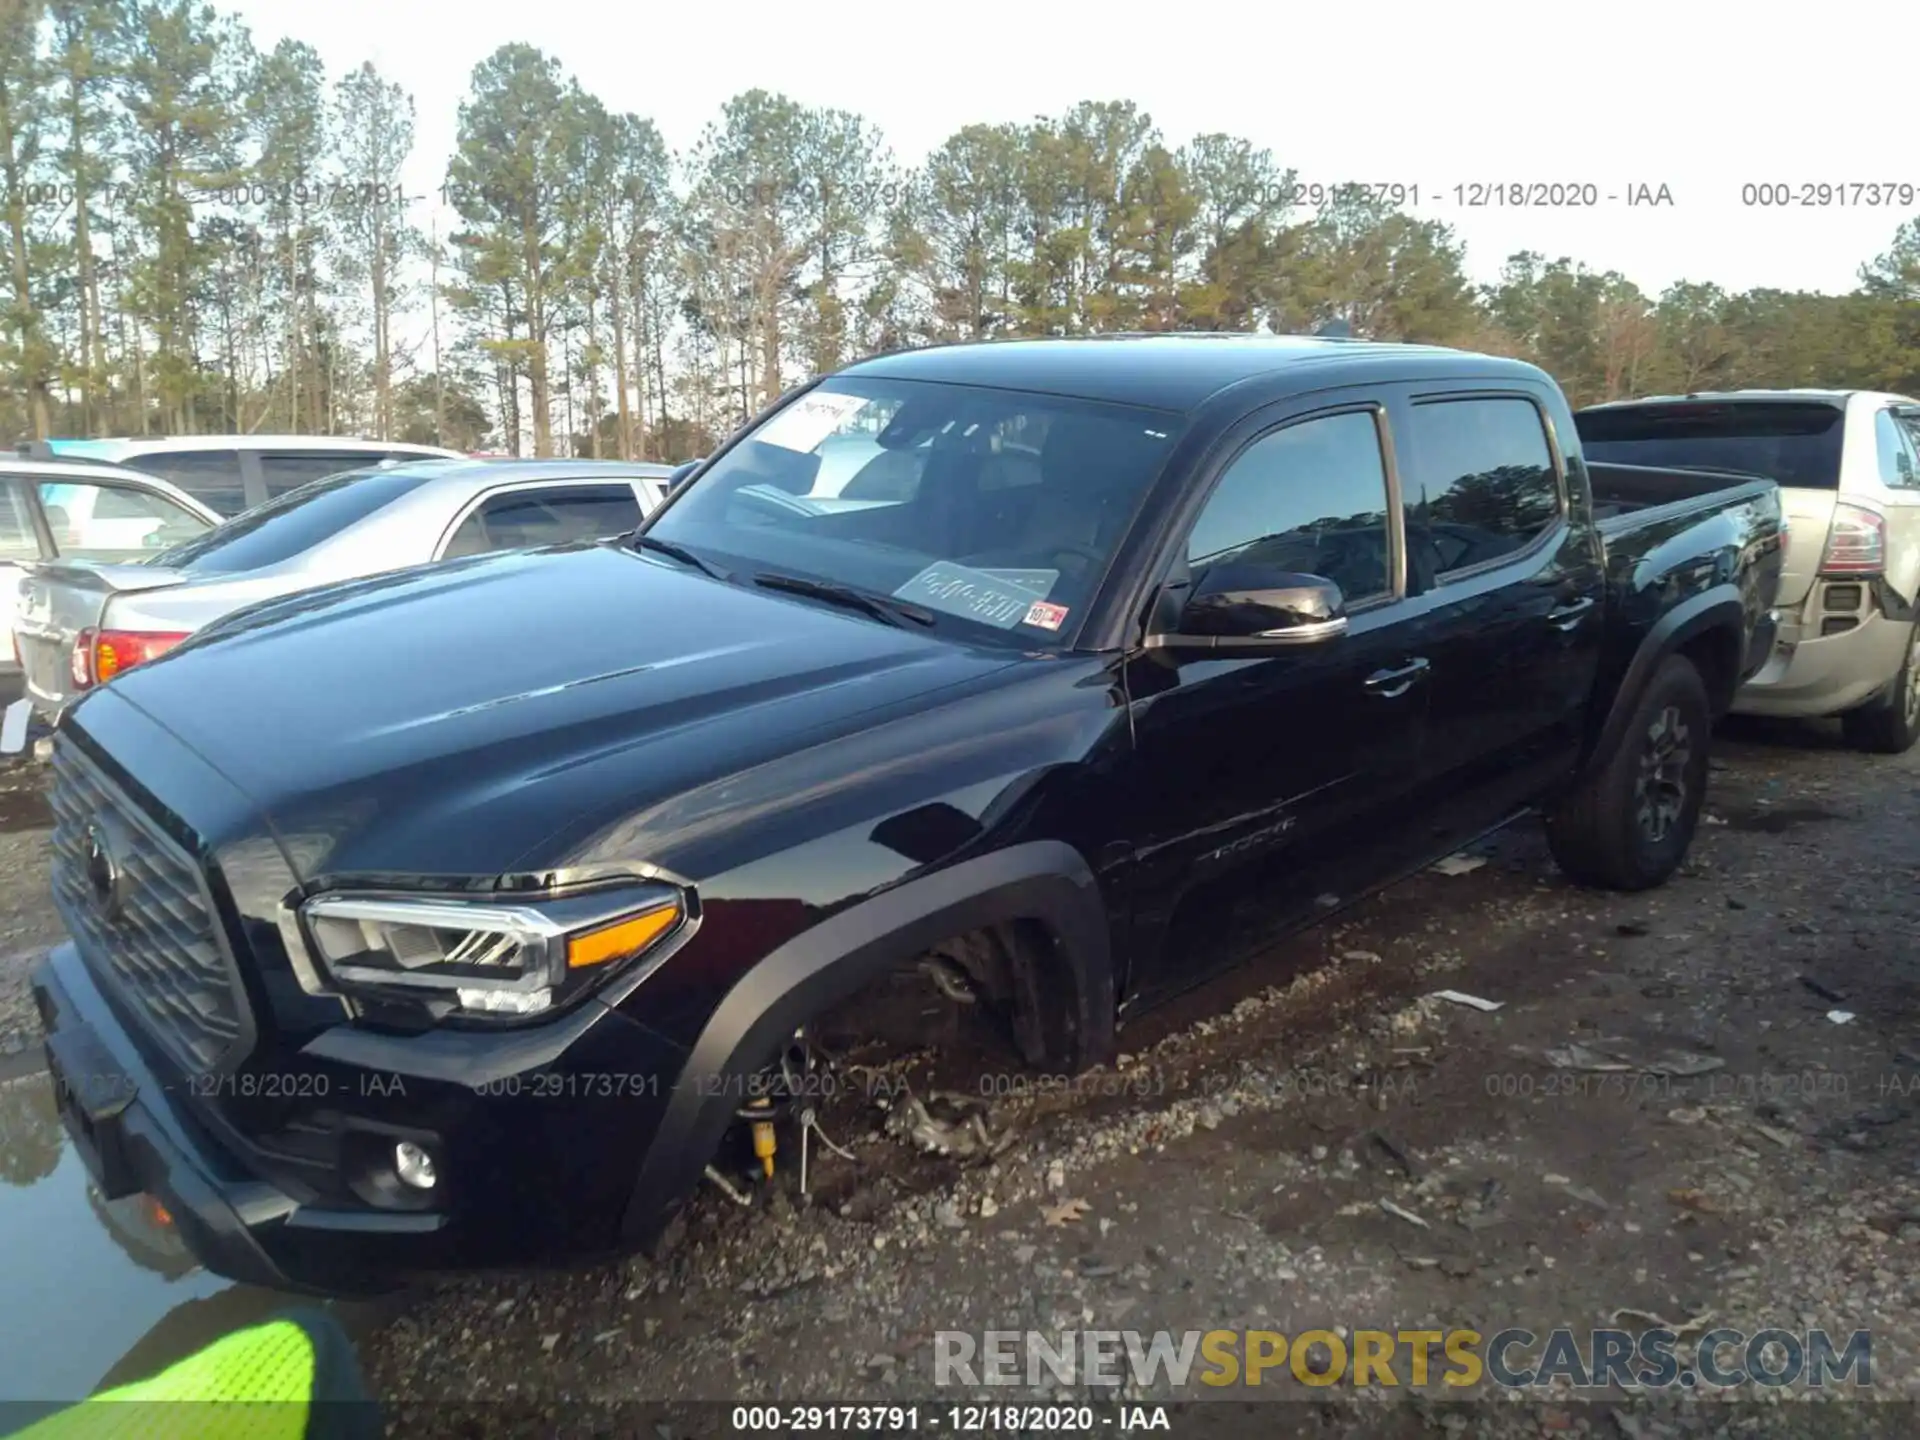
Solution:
(17, 540)
(1310, 498)
(289, 472)
(1911, 429)
(211, 476)
(469, 539)
(553, 516)
(1895, 444)
(1490, 487)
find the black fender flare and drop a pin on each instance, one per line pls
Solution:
(1046, 881)
(1719, 608)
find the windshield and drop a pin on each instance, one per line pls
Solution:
(996, 510)
(291, 524)
(1795, 443)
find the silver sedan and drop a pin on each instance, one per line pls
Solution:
(81, 623)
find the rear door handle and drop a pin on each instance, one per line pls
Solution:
(1566, 617)
(1390, 683)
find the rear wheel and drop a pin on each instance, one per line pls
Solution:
(1628, 825)
(1890, 724)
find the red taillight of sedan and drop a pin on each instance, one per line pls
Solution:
(99, 655)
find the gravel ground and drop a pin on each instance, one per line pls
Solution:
(28, 923)
(1753, 1165)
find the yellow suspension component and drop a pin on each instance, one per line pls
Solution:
(764, 1140)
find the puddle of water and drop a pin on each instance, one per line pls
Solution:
(93, 1294)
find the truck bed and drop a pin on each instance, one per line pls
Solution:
(1624, 494)
(1657, 523)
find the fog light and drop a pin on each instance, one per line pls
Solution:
(413, 1165)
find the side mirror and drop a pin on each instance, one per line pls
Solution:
(681, 472)
(1255, 610)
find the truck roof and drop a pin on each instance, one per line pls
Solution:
(1173, 370)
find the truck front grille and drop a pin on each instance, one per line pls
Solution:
(143, 917)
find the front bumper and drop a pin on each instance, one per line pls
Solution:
(1810, 675)
(537, 1153)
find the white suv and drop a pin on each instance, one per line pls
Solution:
(232, 473)
(1848, 464)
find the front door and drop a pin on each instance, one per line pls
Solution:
(1251, 777)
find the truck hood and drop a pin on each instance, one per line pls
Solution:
(449, 721)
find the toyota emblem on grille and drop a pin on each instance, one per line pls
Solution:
(103, 870)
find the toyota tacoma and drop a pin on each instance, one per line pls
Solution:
(459, 917)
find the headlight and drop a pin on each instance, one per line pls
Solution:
(483, 957)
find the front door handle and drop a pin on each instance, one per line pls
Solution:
(1566, 617)
(1390, 683)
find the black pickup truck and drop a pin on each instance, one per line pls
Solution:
(460, 917)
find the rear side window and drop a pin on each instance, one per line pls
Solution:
(284, 472)
(1796, 443)
(211, 476)
(1910, 426)
(1899, 465)
(555, 515)
(1489, 484)
(17, 540)
(91, 521)
(291, 524)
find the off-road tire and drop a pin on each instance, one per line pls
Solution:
(1890, 723)
(1628, 824)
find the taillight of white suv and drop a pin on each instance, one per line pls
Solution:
(1856, 542)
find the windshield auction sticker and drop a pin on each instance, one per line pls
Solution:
(1045, 616)
(810, 419)
(971, 594)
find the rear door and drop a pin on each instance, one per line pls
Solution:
(213, 477)
(21, 544)
(1899, 497)
(517, 517)
(1510, 589)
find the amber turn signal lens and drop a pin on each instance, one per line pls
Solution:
(620, 939)
(117, 650)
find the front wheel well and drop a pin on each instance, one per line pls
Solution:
(1015, 969)
(1040, 901)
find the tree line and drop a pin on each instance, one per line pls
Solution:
(201, 237)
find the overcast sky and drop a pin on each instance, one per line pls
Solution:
(1702, 98)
